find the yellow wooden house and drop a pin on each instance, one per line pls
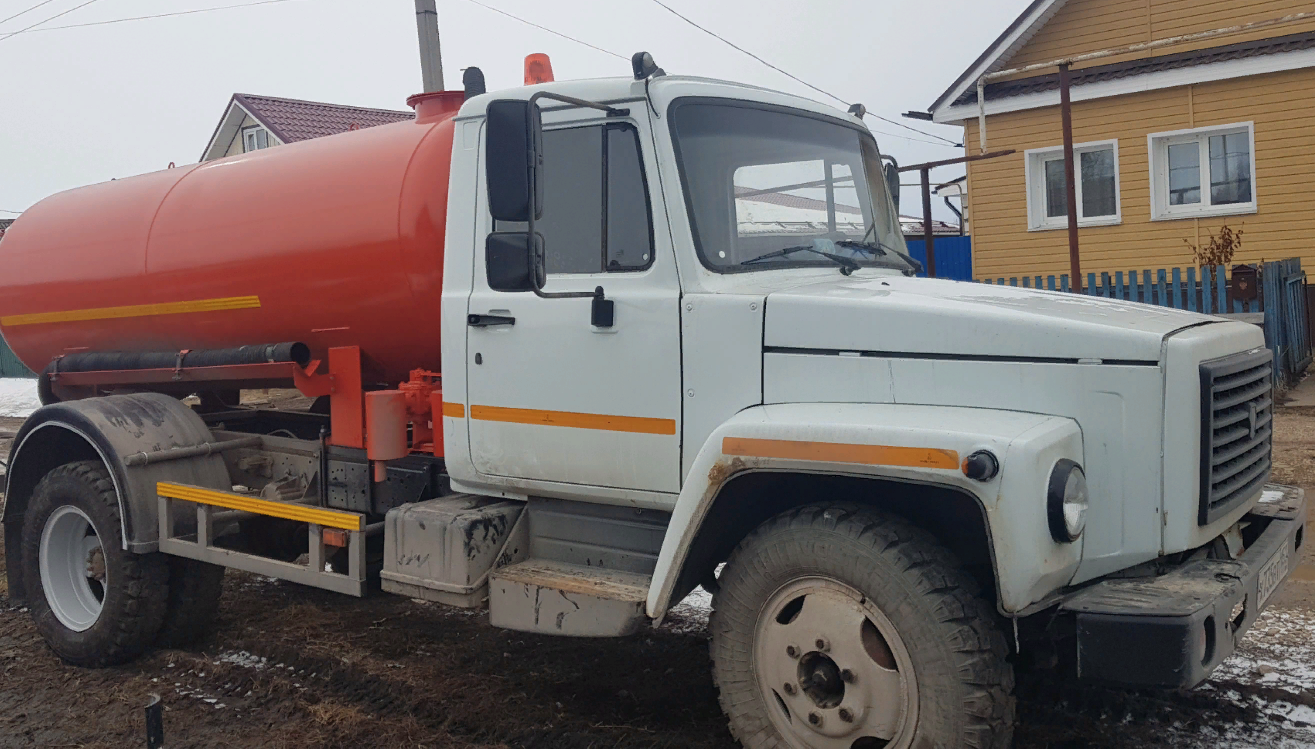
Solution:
(1171, 143)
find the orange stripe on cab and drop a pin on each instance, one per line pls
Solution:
(455, 410)
(838, 452)
(605, 422)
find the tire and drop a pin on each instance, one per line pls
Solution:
(98, 605)
(194, 591)
(837, 626)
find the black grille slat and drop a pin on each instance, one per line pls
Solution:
(1236, 430)
(1236, 415)
(1237, 481)
(1237, 396)
(1231, 452)
(1222, 471)
(1241, 378)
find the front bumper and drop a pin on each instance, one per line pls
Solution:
(1173, 630)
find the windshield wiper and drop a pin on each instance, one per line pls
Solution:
(875, 247)
(847, 266)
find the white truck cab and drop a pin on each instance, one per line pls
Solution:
(753, 364)
(683, 344)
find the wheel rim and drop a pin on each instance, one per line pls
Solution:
(832, 669)
(73, 572)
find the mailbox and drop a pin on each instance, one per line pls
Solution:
(1245, 283)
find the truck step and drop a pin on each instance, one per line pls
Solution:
(567, 599)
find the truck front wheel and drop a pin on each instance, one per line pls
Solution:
(837, 626)
(95, 603)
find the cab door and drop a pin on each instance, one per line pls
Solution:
(552, 396)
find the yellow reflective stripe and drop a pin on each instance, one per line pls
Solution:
(318, 515)
(604, 422)
(134, 310)
(840, 452)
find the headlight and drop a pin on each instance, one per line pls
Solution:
(1066, 501)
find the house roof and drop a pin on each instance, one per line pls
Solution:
(1020, 32)
(911, 226)
(1130, 68)
(292, 120)
(4, 224)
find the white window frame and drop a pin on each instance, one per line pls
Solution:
(252, 131)
(1034, 161)
(1157, 145)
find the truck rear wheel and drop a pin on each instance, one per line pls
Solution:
(194, 591)
(841, 627)
(95, 603)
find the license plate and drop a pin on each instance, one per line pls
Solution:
(1273, 574)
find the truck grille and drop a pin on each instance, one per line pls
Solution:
(1237, 410)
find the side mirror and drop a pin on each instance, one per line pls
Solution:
(513, 159)
(890, 170)
(508, 261)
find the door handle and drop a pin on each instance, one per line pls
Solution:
(484, 321)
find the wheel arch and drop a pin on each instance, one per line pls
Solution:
(107, 429)
(746, 499)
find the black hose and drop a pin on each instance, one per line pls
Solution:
(99, 361)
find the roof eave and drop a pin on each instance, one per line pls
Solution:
(1023, 28)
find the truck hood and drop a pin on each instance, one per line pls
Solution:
(898, 315)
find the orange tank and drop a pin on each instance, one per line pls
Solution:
(336, 241)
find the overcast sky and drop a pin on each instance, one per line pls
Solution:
(82, 105)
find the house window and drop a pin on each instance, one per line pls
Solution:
(254, 139)
(1202, 172)
(1097, 186)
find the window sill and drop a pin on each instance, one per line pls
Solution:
(1083, 223)
(1210, 212)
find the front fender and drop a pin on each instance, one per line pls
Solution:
(907, 443)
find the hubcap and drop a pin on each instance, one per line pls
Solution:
(73, 572)
(833, 671)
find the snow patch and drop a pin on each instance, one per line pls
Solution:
(18, 397)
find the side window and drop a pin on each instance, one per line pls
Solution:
(595, 201)
(629, 228)
(572, 223)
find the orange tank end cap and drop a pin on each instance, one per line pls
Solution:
(436, 105)
(538, 69)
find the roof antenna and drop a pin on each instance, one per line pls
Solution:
(472, 79)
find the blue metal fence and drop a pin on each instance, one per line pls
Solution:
(1281, 301)
(954, 257)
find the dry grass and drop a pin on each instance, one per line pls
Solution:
(334, 715)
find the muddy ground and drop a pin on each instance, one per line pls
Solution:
(293, 667)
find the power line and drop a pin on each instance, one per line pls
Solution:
(38, 23)
(545, 28)
(13, 212)
(160, 15)
(29, 10)
(796, 78)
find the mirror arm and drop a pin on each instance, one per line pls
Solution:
(611, 111)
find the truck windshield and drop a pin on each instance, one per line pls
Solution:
(763, 183)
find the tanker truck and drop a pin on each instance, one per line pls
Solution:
(578, 348)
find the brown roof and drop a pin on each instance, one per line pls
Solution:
(293, 119)
(1118, 70)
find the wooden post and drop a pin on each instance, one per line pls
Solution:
(1070, 178)
(928, 235)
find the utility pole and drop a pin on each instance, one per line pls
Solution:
(431, 61)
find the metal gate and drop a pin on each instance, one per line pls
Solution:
(1286, 315)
